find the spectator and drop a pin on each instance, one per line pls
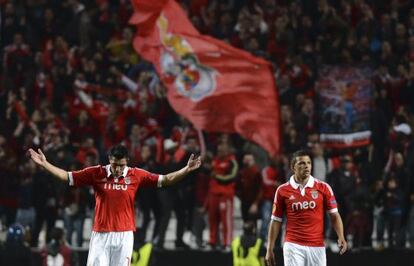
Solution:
(26, 212)
(221, 194)
(343, 182)
(358, 223)
(45, 204)
(172, 199)
(248, 189)
(271, 179)
(201, 198)
(321, 167)
(74, 212)
(392, 198)
(56, 252)
(15, 250)
(147, 198)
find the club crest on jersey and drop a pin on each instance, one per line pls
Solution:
(314, 194)
(127, 180)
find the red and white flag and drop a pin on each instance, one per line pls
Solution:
(215, 86)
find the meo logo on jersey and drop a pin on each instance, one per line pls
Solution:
(304, 205)
(115, 187)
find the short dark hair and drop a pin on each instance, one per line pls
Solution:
(57, 233)
(296, 154)
(249, 227)
(118, 152)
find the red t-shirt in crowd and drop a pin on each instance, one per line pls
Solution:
(223, 167)
(269, 182)
(114, 209)
(305, 210)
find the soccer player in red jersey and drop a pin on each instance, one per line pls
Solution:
(303, 200)
(115, 188)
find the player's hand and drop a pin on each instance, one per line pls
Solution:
(270, 258)
(38, 157)
(343, 246)
(193, 163)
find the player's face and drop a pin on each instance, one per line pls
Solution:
(302, 167)
(117, 166)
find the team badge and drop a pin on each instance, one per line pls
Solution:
(180, 65)
(314, 194)
(127, 180)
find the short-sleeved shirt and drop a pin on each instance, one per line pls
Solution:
(115, 197)
(269, 181)
(222, 167)
(304, 209)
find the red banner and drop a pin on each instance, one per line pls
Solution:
(217, 87)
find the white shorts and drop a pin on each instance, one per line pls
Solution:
(298, 255)
(110, 248)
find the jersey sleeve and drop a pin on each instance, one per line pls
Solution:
(84, 177)
(278, 206)
(329, 199)
(148, 179)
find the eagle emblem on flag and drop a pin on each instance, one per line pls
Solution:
(178, 61)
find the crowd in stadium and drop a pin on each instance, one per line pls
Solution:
(72, 85)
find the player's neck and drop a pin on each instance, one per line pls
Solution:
(301, 180)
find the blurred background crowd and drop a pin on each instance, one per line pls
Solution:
(72, 85)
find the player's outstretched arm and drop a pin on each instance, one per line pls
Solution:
(40, 159)
(174, 177)
(274, 229)
(339, 229)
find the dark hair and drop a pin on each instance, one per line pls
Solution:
(298, 153)
(249, 227)
(53, 247)
(118, 152)
(399, 119)
(57, 233)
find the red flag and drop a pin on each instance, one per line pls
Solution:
(217, 87)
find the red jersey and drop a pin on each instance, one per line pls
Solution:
(226, 166)
(269, 183)
(114, 208)
(305, 210)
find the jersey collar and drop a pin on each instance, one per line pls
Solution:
(310, 183)
(108, 171)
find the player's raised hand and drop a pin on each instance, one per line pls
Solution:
(38, 157)
(193, 163)
(270, 258)
(343, 246)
